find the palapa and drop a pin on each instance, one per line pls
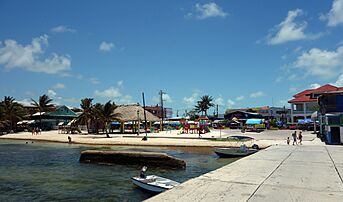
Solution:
(125, 113)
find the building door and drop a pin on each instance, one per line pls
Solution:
(335, 135)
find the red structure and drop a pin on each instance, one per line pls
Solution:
(304, 104)
(157, 111)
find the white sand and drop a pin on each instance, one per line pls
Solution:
(163, 138)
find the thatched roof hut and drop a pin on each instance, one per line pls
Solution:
(129, 113)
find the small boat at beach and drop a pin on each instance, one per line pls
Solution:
(241, 137)
(153, 183)
(234, 152)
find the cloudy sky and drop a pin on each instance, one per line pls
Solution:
(243, 53)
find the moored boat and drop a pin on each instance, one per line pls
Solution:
(233, 152)
(153, 183)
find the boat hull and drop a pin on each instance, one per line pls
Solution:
(148, 187)
(233, 152)
(154, 183)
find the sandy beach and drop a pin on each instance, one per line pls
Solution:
(166, 138)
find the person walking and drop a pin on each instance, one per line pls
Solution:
(288, 140)
(294, 135)
(300, 137)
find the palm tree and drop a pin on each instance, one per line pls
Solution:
(97, 115)
(104, 114)
(204, 104)
(11, 112)
(86, 116)
(107, 114)
(43, 105)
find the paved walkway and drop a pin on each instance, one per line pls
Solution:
(279, 173)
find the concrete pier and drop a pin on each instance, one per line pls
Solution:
(279, 173)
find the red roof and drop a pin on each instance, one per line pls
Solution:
(305, 96)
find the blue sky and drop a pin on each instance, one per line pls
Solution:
(243, 53)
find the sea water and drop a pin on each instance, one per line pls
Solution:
(36, 171)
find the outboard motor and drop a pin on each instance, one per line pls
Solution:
(142, 174)
(255, 146)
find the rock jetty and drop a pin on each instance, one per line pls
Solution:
(132, 158)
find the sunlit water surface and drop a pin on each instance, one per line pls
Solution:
(52, 172)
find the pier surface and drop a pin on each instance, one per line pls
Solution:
(278, 173)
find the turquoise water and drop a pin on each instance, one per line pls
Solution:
(52, 172)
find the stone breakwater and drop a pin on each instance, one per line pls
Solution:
(132, 158)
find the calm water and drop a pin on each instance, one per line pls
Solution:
(52, 172)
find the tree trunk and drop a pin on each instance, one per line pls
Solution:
(40, 120)
(87, 126)
(106, 128)
(11, 124)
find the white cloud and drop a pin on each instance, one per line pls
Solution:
(284, 102)
(111, 92)
(240, 98)
(58, 86)
(335, 16)
(230, 103)
(25, 102)
(62, 29)
(192, 99)
(116, 94)
(290, 30)
(72, 100)
(321, 63)
(219, 101)
(293, 77)
(339, 81)
(14, 55)
(79, 76)
(106, 46)
(166, 98)
(257, 94)
(315, 85)
(208, 10)
(94, 80)
(126, 99)
(51, 93)
(120, 83)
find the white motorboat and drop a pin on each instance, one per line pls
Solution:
(234, 152)
(153, 183)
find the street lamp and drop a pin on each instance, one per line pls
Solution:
(139, 124)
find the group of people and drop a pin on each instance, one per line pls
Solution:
(296, 138)
(36, 131)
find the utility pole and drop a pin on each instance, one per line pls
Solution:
(162, 109)
(217, 111)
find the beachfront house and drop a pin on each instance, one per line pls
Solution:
(304, 104)
(331, 116)
(60, 115)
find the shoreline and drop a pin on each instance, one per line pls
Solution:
(164, 139)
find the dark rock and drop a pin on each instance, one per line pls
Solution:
(132, 158)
